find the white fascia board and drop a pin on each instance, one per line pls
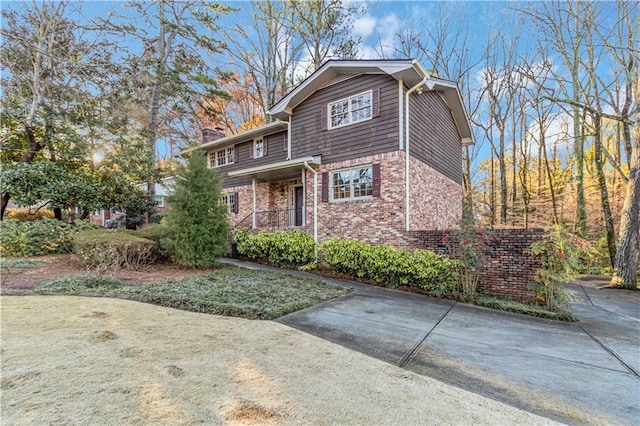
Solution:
(297, 162)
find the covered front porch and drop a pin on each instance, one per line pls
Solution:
(282, 195)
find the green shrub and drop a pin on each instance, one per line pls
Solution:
(278, 248)
(103, 250)
(197, 221)
(29, 215)
(392, 267)
(37, 238)
(157, 233)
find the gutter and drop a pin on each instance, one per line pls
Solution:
(407, 154)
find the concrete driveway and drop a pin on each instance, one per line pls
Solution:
(585, 372)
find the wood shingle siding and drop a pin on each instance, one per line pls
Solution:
(374, 136)
(434, 138)
(244, 158)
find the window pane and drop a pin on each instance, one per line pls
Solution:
(230, 155)
(361, 107)
(259, 148)
(341, 185)
(212, 159)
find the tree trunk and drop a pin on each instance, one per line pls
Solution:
(626, 262)
(604, 193)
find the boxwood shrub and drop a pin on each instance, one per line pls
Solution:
(387, 265)
(103, 250)
(279, 248)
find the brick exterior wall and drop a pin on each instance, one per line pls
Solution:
(436, 200)
(510, 268)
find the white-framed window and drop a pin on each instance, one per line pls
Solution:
(159, 199)
(258, 148)
(229, 200)
(350, 110)
(221, 157)
(352, 184)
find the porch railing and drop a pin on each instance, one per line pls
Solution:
(272, 219)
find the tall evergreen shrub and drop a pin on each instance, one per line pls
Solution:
(197, 220)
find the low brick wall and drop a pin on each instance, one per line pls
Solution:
(510, 268)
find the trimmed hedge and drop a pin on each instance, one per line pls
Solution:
(37, 238)
(29, 215)
(387, 265)
(102, 250)
(288, 249)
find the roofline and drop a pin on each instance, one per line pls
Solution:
(296, 162)
(264, 130)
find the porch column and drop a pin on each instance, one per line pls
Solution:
(254, 185)
(303, 172)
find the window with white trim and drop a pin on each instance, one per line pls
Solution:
(229, 200)
(221, 157)
(159, 200)
(350, 110)
(352, 184)
(258, 148)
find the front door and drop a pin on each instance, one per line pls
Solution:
(299, 194)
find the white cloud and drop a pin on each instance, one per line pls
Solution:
(363, 27)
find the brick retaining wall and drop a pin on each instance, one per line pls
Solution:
(509, 268)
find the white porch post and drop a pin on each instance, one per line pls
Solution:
(255, 203)
(303, 172)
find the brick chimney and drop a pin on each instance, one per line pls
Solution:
(210, 135)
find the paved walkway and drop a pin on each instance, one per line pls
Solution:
(585, 372)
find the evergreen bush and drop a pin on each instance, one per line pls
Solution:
(37, 238)
(197, 221)
(279, 248)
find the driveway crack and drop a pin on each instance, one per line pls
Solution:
(611, 352)
(411, 353)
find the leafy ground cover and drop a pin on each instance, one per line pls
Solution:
(522, 308)
(6, 263)
(229, 290)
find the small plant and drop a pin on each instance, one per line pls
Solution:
(559, 254)
(20, 263)
(468, 246)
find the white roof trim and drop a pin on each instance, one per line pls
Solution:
(296, 162)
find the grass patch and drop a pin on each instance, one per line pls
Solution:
(229, 291)
(6, 263)
(522, 308)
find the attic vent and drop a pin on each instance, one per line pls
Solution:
(210, 135)
(339, 78)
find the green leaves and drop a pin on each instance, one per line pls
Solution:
(197, 221)
(287, 249)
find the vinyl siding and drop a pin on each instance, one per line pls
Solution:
(276, 152)
(434, 138)
(375, 136)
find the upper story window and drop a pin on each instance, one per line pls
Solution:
(258, 148)
(159, 200)
(351, 110)
(221, 157)
(352, 183)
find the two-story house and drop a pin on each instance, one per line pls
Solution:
(334, 160)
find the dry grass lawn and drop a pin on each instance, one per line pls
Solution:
(79, 360)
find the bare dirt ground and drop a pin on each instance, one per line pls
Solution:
(81, 360)
(21, 280)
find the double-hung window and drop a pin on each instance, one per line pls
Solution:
(229, 200)
(258, 148)
(221, 157)
(352, 184)
(351, 110)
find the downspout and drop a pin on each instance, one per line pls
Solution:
(407, 212)
(289, 137)
(400, 114)
(315, 206)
